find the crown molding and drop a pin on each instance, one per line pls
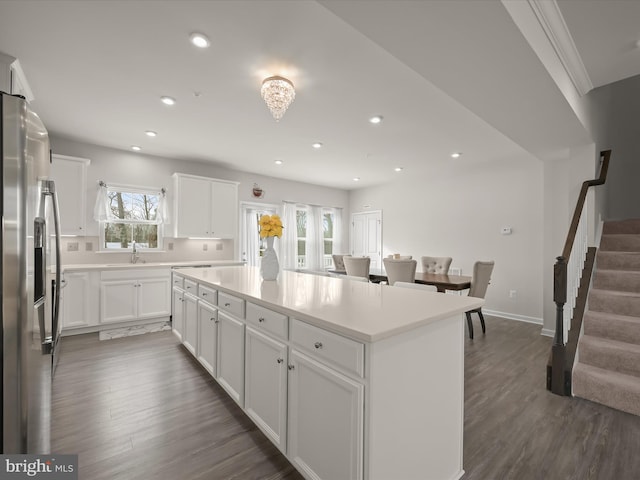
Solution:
(552, 22)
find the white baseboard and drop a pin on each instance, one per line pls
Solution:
(514, 316)
(547, 332)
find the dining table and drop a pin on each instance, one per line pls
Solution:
(442, 281)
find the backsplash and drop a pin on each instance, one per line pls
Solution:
(81, 250)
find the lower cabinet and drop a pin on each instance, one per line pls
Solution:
(190, 322)
(207, 336)
(177, 314)
(127, 295)
(265, 398)
(230, 359)
(79, 300)
(326, 414)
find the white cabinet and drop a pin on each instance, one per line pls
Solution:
(205, 207)
(326, 412)
(70, 176)
(79, 300)
(207, 336)
(12, 78)
(190, 333)
(134, 295)
(265, 399)
(230, 360)
(177, 314)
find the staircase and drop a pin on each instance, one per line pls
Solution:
(608, 368)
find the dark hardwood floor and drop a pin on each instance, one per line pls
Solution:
(142, 408)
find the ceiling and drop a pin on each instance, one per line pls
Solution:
(446, 76)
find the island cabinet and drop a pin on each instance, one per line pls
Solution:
(177, 312)
(359, 382)
(205, 207)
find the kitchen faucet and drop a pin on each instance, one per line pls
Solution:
(134, 253)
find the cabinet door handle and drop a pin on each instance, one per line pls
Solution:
(261, 319)
(204, 294)
(291, 367)
(318, 345)
(217, 321)
(212, 319)
(227, 304)
(280, 360)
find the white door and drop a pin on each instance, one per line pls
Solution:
(325, 420)
(366, 236)
(190, 333)
(153, 297)
(265, 396)
(207, 336)
(177, 318)
(230, 364)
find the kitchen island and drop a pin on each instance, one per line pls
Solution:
(350, 380)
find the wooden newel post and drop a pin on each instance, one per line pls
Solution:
(559, 350)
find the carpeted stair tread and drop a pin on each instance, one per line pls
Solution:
(623, 328)
(612, 355)
(620, 280)
(620, 242)
(631, 226)
(618, 260)
(612, 301)
(613, 389)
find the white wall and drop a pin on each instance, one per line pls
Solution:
(131, 168)
(457, 210)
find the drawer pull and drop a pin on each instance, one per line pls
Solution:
(227, 304)
(318, 345)
(261, 319)
(280, 360)
(204, 294)
(291, 367)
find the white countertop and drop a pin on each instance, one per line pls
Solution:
(126, 266)
(362, 311)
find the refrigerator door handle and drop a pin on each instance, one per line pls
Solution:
(49, 188)
(40, 273)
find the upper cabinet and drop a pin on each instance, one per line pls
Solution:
(205, 207)
(70, 176)
(12, 79)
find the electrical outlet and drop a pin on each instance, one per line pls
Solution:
(512, 294)
(205, 247)
(218, 246)
(72, 246)
(88, 246)
(170, 246)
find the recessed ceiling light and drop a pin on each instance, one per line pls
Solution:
(168, 100)
(136, 148)
(456, 155)
(376, 119)
(356, 179)
(278, 162)
(398, 169)
(317, 145)
(151, 133)
(199, 40)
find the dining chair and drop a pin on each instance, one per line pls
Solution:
(436, 264)
(400, 270)
(416, 286)
(338, 262)
(357, 266)
(479, 284)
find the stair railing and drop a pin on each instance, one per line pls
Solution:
(567, 273)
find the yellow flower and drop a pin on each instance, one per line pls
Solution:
(270, 226)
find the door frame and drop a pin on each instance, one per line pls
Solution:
(351, 233)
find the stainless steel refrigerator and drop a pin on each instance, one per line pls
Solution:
(30, 244)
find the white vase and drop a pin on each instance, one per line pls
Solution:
(269, 267)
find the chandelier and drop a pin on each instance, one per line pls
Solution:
(278, 93)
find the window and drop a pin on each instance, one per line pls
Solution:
(328, 221)
(301, 237)
(133, 218)
(306, 245)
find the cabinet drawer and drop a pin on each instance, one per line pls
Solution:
(336, 349)
(267, 320)
(207, 294)
(178, 281)
(190, 287)
(231, 304)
